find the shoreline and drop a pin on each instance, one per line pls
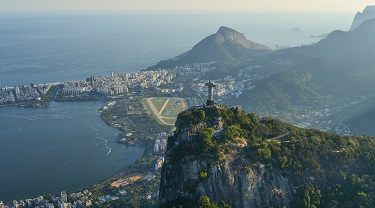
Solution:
(134, 167)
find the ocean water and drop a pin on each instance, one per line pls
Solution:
(65, 147)
(52, 47)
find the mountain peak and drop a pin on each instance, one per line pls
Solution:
(229, 34)
(223, 30)
(368, 13)
(226, 45)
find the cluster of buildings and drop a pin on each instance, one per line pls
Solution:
(159, 147)
(160, 81)
(120, 83)
(79, 199)
(26, 93)
(224, 89)
(22, 93)
(160, 142)
(72, 88)
(230, 86)
(6, 97)
(37, 202)
(194, 70)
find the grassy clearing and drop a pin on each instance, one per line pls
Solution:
(169, 109)
(145, 104)
(173, 108)
(158, 103)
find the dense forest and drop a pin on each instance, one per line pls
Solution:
(287, 149)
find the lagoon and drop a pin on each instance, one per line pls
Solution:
(63, 148)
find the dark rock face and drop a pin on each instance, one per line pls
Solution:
(368, 13)
(229, 182)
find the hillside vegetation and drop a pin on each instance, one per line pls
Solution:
(330, 170)
(339, 67)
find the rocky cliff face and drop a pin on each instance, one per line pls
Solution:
(236, 181)
(245, 161)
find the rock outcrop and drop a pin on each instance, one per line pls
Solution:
(230, 181)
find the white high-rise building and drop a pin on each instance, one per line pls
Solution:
(64, 197)
(17, 90)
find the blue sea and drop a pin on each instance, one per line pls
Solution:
(67, 146)
(53, 47)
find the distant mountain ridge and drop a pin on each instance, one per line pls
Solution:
(368, 13)
(226, 44)
(337, 70)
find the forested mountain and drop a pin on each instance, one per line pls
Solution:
(246, 161)
(227, 47)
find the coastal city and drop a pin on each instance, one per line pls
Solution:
(148, 124)
(179, 104)
(124, 94)
(162, 82)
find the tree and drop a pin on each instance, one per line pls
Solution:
(205, 202)
(308, 196)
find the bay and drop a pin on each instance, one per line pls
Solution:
(63, 148)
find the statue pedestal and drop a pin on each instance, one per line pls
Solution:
(210, 102)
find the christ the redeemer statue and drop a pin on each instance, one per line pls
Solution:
(210, 99)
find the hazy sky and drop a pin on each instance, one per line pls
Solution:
(190, 5)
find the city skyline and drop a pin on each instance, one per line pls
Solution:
(334, 6)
